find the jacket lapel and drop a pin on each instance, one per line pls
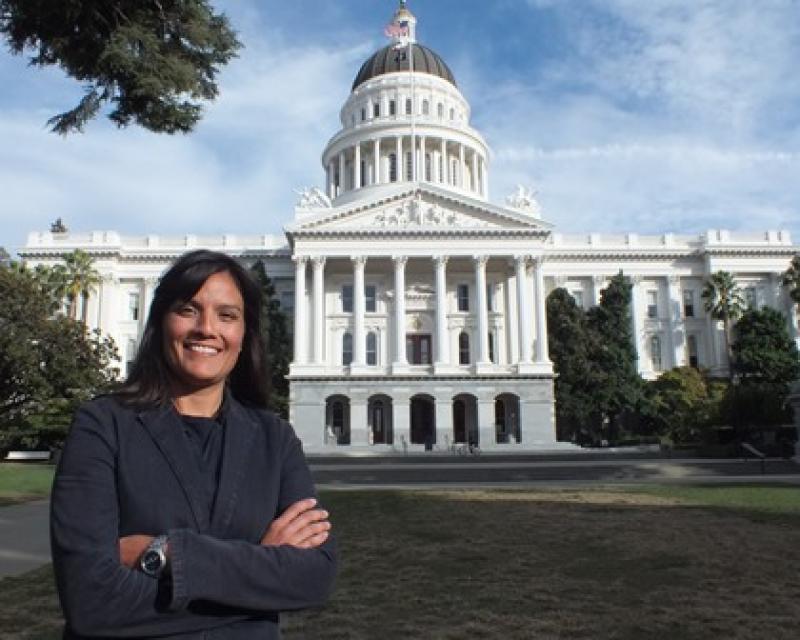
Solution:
(166, 429)
(240, 432)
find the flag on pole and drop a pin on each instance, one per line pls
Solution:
(396, 30)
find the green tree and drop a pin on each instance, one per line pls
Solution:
(80, 278)
(723, 300)
(570, 343)
(619, 388)
(791, 279)
(683, 404)
(763, 350)
(276, 340)
(153, 61)
(48, 364)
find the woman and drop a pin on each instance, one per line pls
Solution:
(181, 507)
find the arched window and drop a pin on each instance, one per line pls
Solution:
(363, 114)
(440, 111)
(392, 167)
(372, 348)
(347, 349)
(426, 108)
(452, 113)
(463, 348)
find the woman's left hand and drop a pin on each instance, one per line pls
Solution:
(131, 548)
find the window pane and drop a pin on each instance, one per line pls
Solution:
(688, 303)
(347, 298)
(370, 296)
(463, 297)
(392, 167)
(652, 304)
(372, 349)
(463, 348)
(133, 306)
(392, 107)
(491, 347)
(347, 349)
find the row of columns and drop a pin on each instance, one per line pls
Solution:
(523, 304)
(439, 170)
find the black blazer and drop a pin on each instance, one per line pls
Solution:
(125, 471)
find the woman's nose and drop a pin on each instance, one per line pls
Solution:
(205, 323)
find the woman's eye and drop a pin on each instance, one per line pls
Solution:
(186, 310)
(229, 315)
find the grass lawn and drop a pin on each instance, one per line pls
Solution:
(680, 563)
(20, 482)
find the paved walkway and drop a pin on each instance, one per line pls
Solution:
(24, 537)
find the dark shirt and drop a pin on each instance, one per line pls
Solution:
(205, 439)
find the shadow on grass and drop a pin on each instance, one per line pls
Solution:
(568, 564)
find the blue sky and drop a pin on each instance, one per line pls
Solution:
(624, 115)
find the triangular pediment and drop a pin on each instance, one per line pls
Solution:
(418, 208)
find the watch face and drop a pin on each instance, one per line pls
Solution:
(151, 561)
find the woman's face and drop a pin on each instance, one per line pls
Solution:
(203, 337)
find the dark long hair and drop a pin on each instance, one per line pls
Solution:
(148, 382)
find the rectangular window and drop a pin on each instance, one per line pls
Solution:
(577, 296)
(363, 114)
(347, 298)
(418, 349)
(652, 304)
(691, 351)
(491, 348)
(428, 167)
(463, 348)
(347, 349)
(409, 166)
(371, 298)
(688, 303)
(392, 108)
(655, 353)
(376, 110)
(462, 292)
(751, 297)
(489, 296)
(392, 167)
(372, 349)
(408, 106)
(133, 305)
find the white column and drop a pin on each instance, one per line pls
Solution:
(377, 160)
(342, 177)
(319, 308)
(359, 309)
(484, 179)
(474, 186)
(524, 311)
(421, 164)
(400, 162)
(300, 328)
(400, 311)
(542, 352)
(677, 336)
(445, 168)
(598, 283)
(442, 338)
(461, 166)
(512, 313)
(482, 312)
(636, 321)
(357, 177)
(435, 173)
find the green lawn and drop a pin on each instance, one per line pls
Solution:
(684, 563)
(20, 482)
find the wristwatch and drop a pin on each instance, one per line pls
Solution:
(154, 560)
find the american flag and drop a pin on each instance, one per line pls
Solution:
(396, 30)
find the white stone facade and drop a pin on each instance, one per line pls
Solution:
(419, 306)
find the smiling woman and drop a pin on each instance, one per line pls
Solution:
(181, 506)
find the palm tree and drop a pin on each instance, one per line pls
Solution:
(791, 279)
(723, 300)
(81, 279)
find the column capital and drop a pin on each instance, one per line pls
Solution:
(300, 260)
(358, 261)
(399, 261)
(319, 261)
(598, 280)
(523, 258)
(441, 260)
(673, 280)
(480, 261)
(635, 280)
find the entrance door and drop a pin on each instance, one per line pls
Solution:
(423, 421)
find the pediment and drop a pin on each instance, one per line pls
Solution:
(420, 210)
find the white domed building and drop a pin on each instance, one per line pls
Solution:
(418, 305)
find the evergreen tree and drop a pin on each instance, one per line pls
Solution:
(619, 388)
(763, 350)
(791, 279)
(154, 62)
(723, 300)
(683, 404)
(276, 340)
(570, 344)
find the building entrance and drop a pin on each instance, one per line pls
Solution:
(423, 420)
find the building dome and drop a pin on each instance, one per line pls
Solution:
(391, 59)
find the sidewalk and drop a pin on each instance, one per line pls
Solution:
(24, 537)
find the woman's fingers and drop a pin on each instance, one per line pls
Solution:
(298, 524)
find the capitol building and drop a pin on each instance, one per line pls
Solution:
(419, 304)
